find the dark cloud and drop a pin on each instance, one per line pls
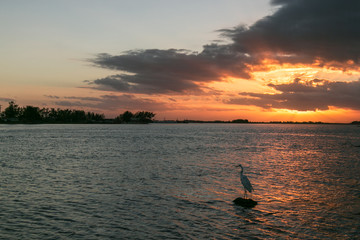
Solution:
(304, 31)
(52, 96)
(299, 31)
(168, 71)
(113, 102)
(84, 98)
(71, 104)
(300, 95)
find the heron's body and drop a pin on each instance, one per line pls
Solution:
(245, 182)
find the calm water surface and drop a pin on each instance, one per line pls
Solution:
(161, 181)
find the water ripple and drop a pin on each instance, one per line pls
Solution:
(178, 181)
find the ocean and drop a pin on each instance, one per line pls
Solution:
(178, 181)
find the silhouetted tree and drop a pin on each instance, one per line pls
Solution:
(78, 116)
(139, 117)
(95, 117)
(144, 117)
(125, 117)
(240, 121)
(12, 112)
(30, 114)
(44, 113)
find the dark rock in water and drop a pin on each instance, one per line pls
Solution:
(245, 202)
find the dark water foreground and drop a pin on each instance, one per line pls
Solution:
(178, 181)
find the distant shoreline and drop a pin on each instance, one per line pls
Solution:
(112, 121)
(15, 114)
(229, 122)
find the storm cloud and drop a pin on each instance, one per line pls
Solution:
(301, 95)
(303, 31)
(169, 71)
(318, 33)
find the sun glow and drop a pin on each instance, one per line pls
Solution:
(272, 71)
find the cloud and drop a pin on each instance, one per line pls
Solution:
(317, 33)
(300, 31)
(113, 102)
(303, 31)
(84, 98)
(301, 95)
(6, 99)
(52, 96)
(155, 71)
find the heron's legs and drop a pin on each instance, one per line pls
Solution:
(245, 193)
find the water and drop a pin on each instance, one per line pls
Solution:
(178, 181)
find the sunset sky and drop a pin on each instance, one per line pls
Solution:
(261, 60)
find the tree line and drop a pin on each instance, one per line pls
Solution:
(138, 117)
(30, 114)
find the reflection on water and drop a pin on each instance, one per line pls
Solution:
(178, 181)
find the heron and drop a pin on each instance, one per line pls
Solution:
(245, 182)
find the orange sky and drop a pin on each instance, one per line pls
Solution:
(284, 62)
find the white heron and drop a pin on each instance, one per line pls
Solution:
(245, 182)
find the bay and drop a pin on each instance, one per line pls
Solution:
(177, 181)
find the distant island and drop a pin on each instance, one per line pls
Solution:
(246, 121)
(14, 114)
(34, 115)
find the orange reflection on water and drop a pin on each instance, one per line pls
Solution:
(302, 175)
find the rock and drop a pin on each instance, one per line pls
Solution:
(245, 202)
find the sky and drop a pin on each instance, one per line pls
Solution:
(261, 60)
